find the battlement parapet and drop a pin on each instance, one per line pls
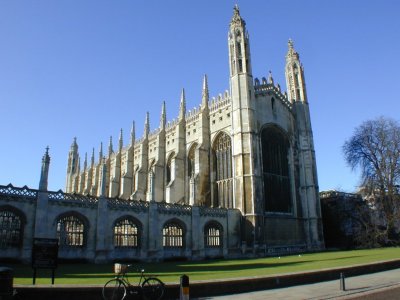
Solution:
(173, 209)
(11, 192)
(132, 205)
(267, 88)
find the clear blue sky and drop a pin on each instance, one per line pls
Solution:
(88, 68)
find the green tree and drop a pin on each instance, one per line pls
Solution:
(374, 148)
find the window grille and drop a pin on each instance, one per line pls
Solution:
(126, 234)
(10, 230)
(173, 236)
(70, 231)
(213, 235)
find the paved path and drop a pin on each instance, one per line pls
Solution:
(387, 283)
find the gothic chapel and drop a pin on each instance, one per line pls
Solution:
(235, 176)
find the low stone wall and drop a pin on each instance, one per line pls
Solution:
(214, 288)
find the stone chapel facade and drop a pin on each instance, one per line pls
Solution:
(246, 157)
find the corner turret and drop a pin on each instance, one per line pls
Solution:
(294, 73)
(72, 168)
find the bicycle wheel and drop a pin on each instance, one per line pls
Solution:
(152, 289)
(114, 290)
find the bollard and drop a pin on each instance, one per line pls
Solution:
(184, 295)
(6, 283)
(342, 282)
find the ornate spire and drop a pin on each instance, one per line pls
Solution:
(237, 19)
(163, 118)
(147, 125)
(85, 162)
(294, 73)
(270, 78)
(291, 54)
(120, 141)
(133, 133)
(205, 94)
(92, 158)
(182, 106)
(101, 152)
(44, 174)
(110, 147)
(74, 144)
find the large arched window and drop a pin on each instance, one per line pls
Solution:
(71, 230)
(213, 235)
(275, 150)
(222, 162)
(126, 233)
(173, 235)
(11, 228)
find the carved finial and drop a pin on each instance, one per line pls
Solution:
(92, 158)
(182, 107)
(44, 174)
(205, 94)
(110, 147)
(270, 78)
(85, 162)
(74, 144)
(133, 133)
(120, 141)
(291, 52)
(290, 44)
(101, 152)
(163, 119)
(147, 125)
(236, 19)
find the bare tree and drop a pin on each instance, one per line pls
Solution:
(375, 149)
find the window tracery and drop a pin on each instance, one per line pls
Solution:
(172, 235)
(213, 235)
(70, 231)
(222, 153)
(275, 150)
(11, 229)
(126, 233)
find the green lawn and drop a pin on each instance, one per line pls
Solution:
(208, 270)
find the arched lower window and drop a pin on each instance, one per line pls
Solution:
(11, 229)
(213, 235)
(222, 163)
(70, 231)
(126, 233)
(275, 151)
(172, 235)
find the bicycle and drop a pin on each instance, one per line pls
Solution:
(150, 288)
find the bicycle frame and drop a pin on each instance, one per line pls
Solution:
(125, 278)
(118, 288)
